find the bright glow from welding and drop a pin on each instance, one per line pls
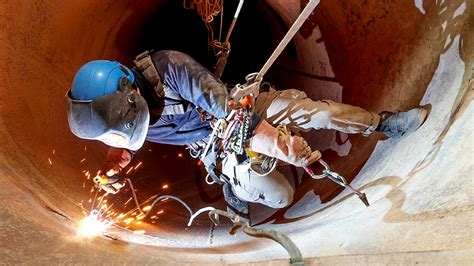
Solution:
(92, 225)
(128, 220)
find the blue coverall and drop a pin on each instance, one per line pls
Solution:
(189, 84)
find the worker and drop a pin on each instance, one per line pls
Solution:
(162, 98)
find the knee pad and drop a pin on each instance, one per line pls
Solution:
(282, 199)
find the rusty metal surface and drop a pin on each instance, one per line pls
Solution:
(379, 56)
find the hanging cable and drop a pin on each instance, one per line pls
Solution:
(207, 10)
(145, 214)
(224, 47)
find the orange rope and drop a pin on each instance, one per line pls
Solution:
(207, 9)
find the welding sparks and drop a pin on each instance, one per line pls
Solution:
(49, 160)
(138, 165)
(92, 225)
(128, 201)
(180, 155)
(83, 159)
(129, 170)
(146, 208)
(164, 186)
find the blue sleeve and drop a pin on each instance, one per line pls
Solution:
(170, 131)
(192, 82)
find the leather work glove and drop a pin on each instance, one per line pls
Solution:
(291, 149)
(116, 160)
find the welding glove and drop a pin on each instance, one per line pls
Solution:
(291, 149)
(116, 160)
(111, 184)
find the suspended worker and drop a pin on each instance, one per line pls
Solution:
(162, 99)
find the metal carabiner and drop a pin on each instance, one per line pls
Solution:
(315, 176)
(336, 178)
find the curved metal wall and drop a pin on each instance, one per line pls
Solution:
(377, 55)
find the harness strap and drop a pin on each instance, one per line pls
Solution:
(147, 69)
(145, 64)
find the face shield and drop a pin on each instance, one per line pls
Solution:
(118, 119)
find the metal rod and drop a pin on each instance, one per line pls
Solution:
(234, 20)
(289, 35)
(295, 254)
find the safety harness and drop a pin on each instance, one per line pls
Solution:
(146, 69)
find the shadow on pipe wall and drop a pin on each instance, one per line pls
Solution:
(360, 47)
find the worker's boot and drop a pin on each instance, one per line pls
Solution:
(395, 125)
(235, 206)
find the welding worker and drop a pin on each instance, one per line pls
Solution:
(159, 99)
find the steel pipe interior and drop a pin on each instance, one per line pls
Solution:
(378, 55)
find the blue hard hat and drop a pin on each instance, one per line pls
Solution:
(102, 103)
(98, 78)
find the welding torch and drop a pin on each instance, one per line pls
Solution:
(111, 184)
